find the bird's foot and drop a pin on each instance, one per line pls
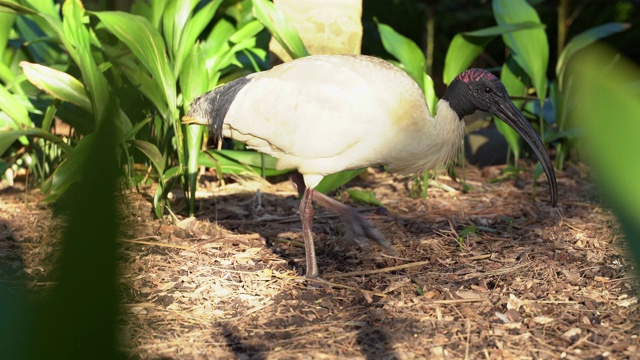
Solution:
(362, 231)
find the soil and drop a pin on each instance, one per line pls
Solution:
(488, 273)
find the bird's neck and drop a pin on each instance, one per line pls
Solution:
(431, 143)
(455, 96)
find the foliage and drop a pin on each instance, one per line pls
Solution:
(150, 64)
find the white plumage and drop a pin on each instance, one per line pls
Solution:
(327, 113)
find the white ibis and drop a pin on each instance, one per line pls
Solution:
(327, 113)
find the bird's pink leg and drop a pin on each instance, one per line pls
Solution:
(306, 215)
(359, 227)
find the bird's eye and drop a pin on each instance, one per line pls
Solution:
(487, 89)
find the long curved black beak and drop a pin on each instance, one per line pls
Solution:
(510, 114)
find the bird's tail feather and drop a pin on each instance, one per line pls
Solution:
(212, 107)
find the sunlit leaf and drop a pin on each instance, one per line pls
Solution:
(146, 44)
(461, 53)
(334, 181)
(466, 46)
(406, 51)
(14, 109)
(57, 84)
(529, 48)
(78, 35)
(192, 30)
(235, 161)
(280, 28)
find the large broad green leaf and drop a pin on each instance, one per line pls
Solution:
(609, 110)
(57, 84)
(280, 28)
(465, 47)
(146, 44)
(78, 36)
(529, 48)
(583, 40)
(406, 51)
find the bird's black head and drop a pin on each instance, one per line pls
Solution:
(475, 89)
(478, 89)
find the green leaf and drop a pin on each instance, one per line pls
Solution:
(466, 46)
(152, 153)
(609, 110)
(6, 24)
(8, 137)
(146, 44)
(583, 40)
(157, 9)
(334, 181)
(69, 171)
(461, 53)
(12, 7)
(195, 80)
(530, 48)
(364, 196)
(280, 28)
(14, 109)
(192, 30)
(406, 51)
(430, 93)
(235, 161)
(175, 16)
(78, 37)
(58, 84)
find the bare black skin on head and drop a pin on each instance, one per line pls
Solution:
(478, 89)
(475, 89)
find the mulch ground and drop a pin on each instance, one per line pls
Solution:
(484, 274)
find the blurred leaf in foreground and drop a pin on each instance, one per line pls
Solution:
(607, 104)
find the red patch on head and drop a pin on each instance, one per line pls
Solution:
(472, 75)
